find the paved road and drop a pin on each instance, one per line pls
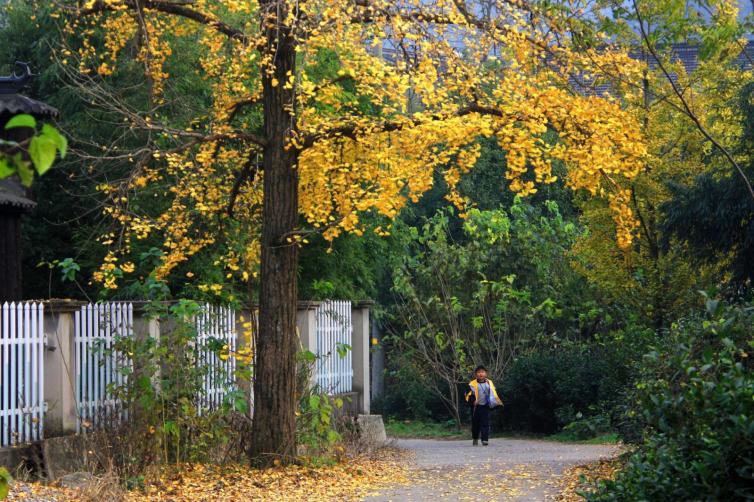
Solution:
(507, 469)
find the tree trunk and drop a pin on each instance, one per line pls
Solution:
(274, 424)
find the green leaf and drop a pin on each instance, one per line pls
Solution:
(61, 142)
(170, 428)
(342, 349)
(23, 120)
(314, 402)
(26, 174)
(5, 479)
(42, 151)
(5, 168)
(332, 436)
(69, 268)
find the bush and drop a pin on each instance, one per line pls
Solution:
(696, 399)
(543, 392)
(406, 397)
(165, 376)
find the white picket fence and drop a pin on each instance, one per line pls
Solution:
(99, 368)
(334, 340)
(216, 328)
(21, 373)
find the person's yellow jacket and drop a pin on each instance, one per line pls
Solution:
(474, 390)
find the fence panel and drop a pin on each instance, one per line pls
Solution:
(21, 372)
(98, 366)
(216, 342)
(334, 337)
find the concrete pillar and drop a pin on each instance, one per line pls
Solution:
(246, 329)
(360, 347)
(146, 326)
(377, 363)
(59, 368)
(306, 324)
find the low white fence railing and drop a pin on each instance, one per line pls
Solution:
(21, 373)
(81, 368)
(216, 328)
(99, 367)
(334, 340)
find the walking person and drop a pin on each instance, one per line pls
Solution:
(482, 397)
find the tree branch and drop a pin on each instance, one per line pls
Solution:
(178, 9)
(248, 171)
(352, 130)
(686, 108)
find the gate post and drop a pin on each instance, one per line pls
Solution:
(306, 325)
(360, 349)
(59, 367)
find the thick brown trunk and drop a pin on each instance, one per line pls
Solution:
(274, 425)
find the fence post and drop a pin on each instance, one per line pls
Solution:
(377, 363)
(306, 324)
(59, 371)
(146, 325)
(246, 326)
(360, 349)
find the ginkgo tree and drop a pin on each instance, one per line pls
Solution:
(324, 110)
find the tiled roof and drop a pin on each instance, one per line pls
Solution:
(16, 103)
(14, 195)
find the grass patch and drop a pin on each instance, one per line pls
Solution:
(565, 437)
(419, 429)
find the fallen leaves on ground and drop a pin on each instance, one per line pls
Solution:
(457, 484)
(584, 477)
(351, 480)
(346, 481)
(39, 492)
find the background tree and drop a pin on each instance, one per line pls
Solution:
(494, 292)
(691, 123)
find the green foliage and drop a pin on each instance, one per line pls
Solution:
(69, 268)
(5, 480)
(163, 381)
(316, 432)
(547, 391)
(696, 401)
(40, 149)
(715, 217)
(405, 395)
(485, 295)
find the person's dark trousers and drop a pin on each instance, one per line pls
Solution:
(480, 422)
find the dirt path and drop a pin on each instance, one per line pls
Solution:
(507, 469)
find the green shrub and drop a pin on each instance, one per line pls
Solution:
(164, 378)
(406, 396)
(543, 392)
(697, 401)
(316, 434)
(593, 425)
